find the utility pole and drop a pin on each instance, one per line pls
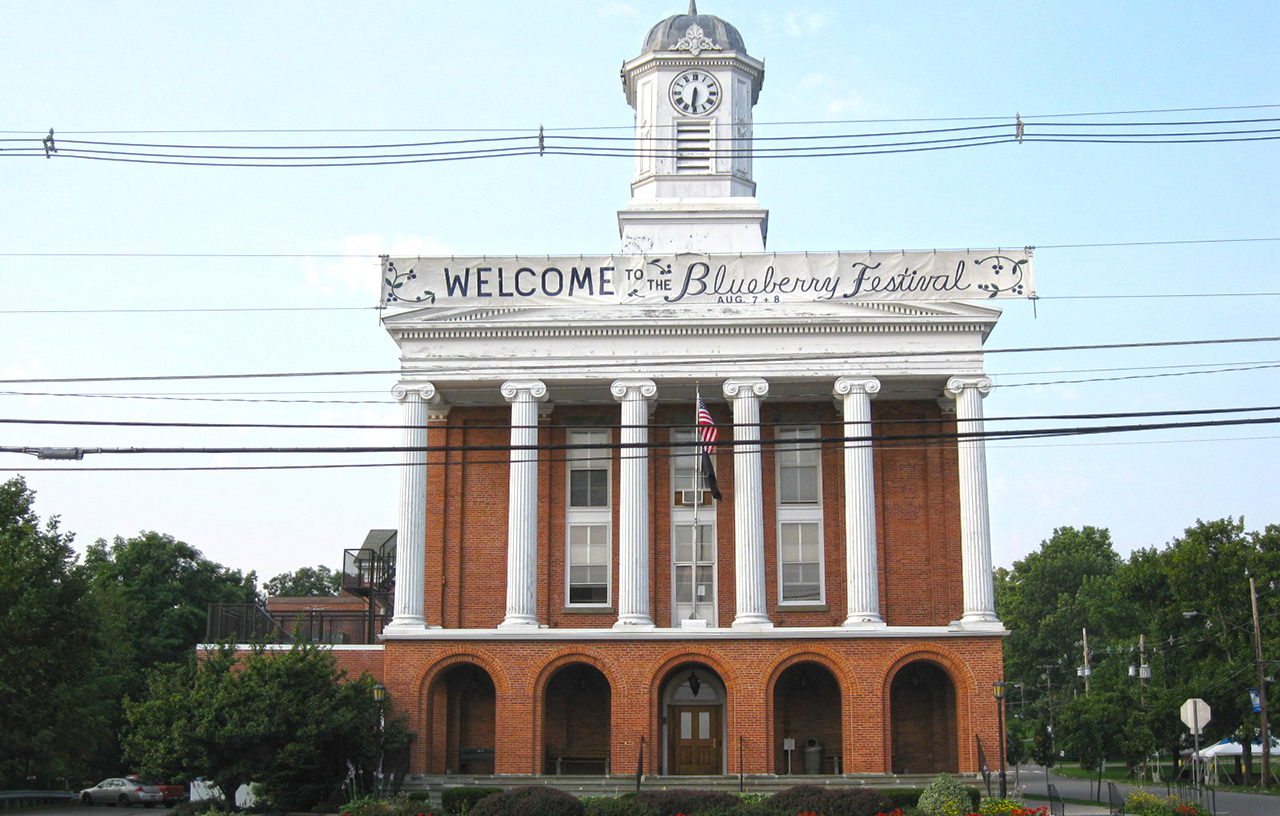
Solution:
(1048, 679)
(1262, 687)
(1086, 671)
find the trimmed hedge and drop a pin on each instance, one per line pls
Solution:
(532, 800)
(460, 800)
(687, 802)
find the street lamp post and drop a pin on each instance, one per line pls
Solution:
(380, 695)
(998, 689)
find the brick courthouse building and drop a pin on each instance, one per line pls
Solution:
(568, 594)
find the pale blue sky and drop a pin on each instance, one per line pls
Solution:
(111, 66)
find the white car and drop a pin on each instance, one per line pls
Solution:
(122, 792)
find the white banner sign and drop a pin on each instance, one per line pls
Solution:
(653, 280)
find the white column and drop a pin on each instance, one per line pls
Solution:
(975, 520)
(748, 503)
(417, 400)
(633, 504)
(522, 504)
(861, 572)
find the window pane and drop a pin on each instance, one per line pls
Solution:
(684, 585)
(704, 725)
(801, 555)
(589, 562)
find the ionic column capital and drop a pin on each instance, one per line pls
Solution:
(857, 385)
(417, 391)
(524, 391)
(626, 389)
(957, 385)
(743, 387)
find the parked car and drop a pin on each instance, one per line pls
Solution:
(173, 794)
(122, 792)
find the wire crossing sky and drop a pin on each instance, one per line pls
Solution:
(148, 237)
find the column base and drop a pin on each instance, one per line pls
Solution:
(985, 621)
(407, 626)
(864, 620)
(520, 622)
(752, 623)
(635, 625)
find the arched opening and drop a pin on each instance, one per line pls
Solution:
(575, 721)
(693, 700)
(807, 721)
(466, 697)
(922, 705)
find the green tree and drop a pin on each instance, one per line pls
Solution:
(305, 582)
(164, 588)
(57, 697)
(1047, 599)
(286, 720)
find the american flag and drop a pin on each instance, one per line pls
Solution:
(707, 435)
(707, 432)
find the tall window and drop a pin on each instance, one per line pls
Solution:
(799, 493)
(693, 537)
(588, 520)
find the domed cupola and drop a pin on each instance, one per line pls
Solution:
(693, 32)
(693, 87)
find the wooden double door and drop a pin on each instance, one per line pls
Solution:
(693, 740)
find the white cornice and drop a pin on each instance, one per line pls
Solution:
(781, 633)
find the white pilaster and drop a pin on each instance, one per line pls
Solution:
(861, 572)
(975, 521)
(633, 504)
(417, 400)
(748, 502)
(522, 504)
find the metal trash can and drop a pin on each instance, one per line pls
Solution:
(812, 756)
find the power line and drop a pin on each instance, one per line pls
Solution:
(978, 118)
(699, 362)
(607, 424)
(374, 256)
(652, 449)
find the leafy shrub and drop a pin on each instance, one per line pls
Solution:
(1142, 803)
(833, 801)
(902, 797)
(944, 796)
(686, 802)
(369, 806)
(800, 799)
(461, 800)
(202, 807)
(625, 805)
(532, 800)
(1008, 807)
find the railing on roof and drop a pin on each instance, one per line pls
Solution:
(250, 623)
(371, 570)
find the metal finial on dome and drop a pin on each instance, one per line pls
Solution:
(693, 8)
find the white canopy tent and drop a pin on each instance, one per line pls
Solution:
(1211, 754)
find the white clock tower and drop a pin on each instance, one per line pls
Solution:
(693, 87)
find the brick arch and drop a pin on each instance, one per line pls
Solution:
(501, 683)
(567, 657)
(425, 716)
(809, 653)
(676, 657)
(591, 657)
(962, 681)
(666, 666)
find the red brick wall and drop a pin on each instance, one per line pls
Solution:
(917, 509)
(863, 668)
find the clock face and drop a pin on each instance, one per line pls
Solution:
(695, 93)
